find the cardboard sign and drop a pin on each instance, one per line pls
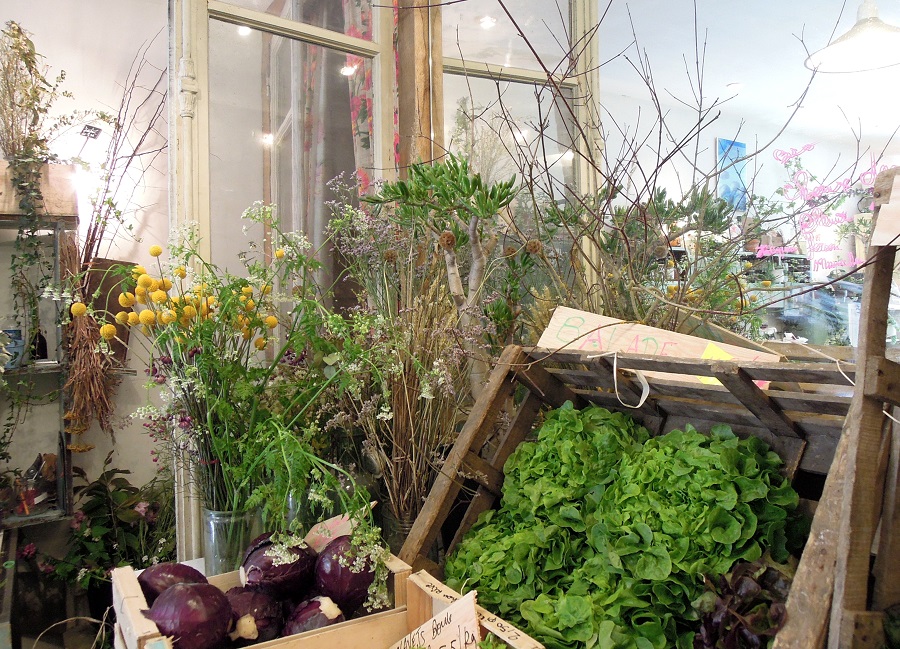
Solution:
(456, 627)
(887, 227)
(574, 330)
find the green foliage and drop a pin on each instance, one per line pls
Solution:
(118, 524)
(604, 534)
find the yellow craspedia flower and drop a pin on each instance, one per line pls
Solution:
(147, 317)
(126, 300)
(279, 254)
(204, 309)
(108, 331)
(134, 319)
(165, 284)
(260, 343)
(156, 251)
(159, 296)
(138, 270)
(140, 294)
(249, 305)
(180, 272)
(122, 317)
(242, 298)
(247, 290)
(271, 321)
(245, 334)
(212, 301)
(145, 281)
(79, 309)
(265, 289)
(176, 299)
(167, 316)
(154, 286)
(189, 311)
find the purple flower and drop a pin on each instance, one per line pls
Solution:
(141, 508)
(27, 552)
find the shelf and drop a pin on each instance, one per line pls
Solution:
(47, 221)
(12, 521)
(38, 367)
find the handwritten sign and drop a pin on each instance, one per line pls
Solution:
(439, 593)
(456, 627)
(575, 330)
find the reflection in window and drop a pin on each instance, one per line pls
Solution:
(350, 17)
(285, 118)
(481, 31)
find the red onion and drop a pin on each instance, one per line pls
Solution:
(157, 578)
(195, 616)
(281, 568)
(339, 577)
(312, 614)
(257, 614)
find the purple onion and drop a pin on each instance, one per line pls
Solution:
(157, 578)
(312, 614)
(282, 569)
(338, 576)
(257, 614)
(195, 616)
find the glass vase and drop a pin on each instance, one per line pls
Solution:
(226, 535)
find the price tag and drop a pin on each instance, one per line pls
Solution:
(456, 627)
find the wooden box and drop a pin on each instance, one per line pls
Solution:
(417, 598)
(798, 408)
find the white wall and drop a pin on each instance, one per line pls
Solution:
(95, 42)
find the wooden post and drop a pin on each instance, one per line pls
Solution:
(420, 82)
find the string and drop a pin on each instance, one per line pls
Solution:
(645, 387)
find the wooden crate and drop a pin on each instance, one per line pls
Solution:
(800, 414)
(417, 598)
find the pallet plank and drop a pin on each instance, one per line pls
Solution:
(748, 393)
(882, 380)
(446, 486)
(887, 582)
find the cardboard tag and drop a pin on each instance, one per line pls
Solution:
(887, 228)
(322, 533)
(456, 627)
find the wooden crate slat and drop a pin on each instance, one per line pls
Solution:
(481, 471)
(738, 381)
(887, 579)
(882, 380)
(484, 499)
(478, 426)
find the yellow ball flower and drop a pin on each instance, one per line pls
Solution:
(247, 290)
(156, 251)
(134, 319)
(180, 272)
(145, 281)
(167, 316)
(176, 299)
(138, 270)
(108, 331)
(279, 254)
(122, 317)
(159, 297)
(147, 317)
(245, 334)
(250, 304)
(154, 286)
(271, 322)
(165, 284)
(190, 311)
(260, 343)
(265, 289)
(79, 309)
(126, 300)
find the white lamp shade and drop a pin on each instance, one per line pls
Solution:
(870, 44)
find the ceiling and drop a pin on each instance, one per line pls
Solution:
(760, 45)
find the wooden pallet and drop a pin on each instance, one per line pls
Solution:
(802, 425)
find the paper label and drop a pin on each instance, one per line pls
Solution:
(456, 627)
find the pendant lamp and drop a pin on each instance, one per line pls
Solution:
(871, 44)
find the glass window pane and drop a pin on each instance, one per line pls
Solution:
(481, 31)
(504, 128)
(285, 118)
(350, 17)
